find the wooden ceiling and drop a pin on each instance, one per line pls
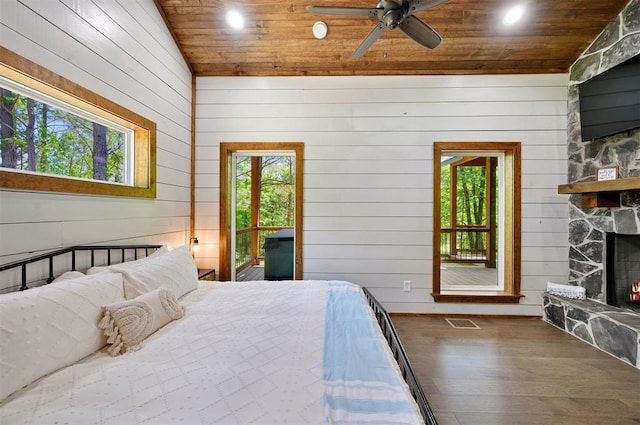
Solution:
(277, 39)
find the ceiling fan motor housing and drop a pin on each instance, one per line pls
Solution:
(392, 12)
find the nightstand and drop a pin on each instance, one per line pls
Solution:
(207, 274)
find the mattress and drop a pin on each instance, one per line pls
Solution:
(299, 352)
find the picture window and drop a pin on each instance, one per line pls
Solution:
(58, 136)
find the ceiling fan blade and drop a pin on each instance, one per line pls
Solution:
(346, 11)
(420, 32)
(420, 5)
(369, 40)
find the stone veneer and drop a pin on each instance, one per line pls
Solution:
(608, 328)
(619, 42)
(587, 227)
(611, 329)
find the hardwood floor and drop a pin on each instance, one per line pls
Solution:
(517, 371)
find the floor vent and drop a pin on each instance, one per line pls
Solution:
(462, 324)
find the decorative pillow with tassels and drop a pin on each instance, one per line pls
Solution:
(126, 324)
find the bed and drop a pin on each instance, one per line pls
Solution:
(141, 340)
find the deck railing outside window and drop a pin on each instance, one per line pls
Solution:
(250, 244)
(464, 243)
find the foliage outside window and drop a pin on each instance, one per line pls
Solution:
(277, 194)
(58, 136)
(39, 137)
(275, 202)
(470, 197)
(471, 215)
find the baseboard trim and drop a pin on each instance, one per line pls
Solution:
(468, 316)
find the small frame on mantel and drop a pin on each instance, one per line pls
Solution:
(607, 173)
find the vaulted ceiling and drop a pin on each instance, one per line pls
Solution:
(277, 38)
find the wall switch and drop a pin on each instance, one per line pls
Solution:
(406, 286)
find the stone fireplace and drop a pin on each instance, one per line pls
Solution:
(622, 268)
(588, 227)
(612, 329)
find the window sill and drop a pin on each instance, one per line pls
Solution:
(485, 297)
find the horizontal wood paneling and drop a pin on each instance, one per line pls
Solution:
(363, 181)
(369, 94)
(394, 108)
(370, 237)
(368, 209)
(34, 207)
(540, 138)
(351, 124)
(368, 252)
(368, 195)
(121, 50)
(368, 200)
(370, 166)
(383, 83)
(342, 223)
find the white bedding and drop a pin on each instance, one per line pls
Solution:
(244, 353)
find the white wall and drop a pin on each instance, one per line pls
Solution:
(123, 51)
(368, 170)
(368, 149)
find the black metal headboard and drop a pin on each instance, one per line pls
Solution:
(134, 250)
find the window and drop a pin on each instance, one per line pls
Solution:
(57, 136)
(476, 244)
(230, 152)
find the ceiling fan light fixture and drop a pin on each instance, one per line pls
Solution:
(235, 19)
(513, 15)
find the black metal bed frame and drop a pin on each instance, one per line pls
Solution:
(73, 249)
(390, 334)
(384, 321)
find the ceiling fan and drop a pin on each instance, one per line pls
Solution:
(391, 14)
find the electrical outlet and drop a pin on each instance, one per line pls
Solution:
(406, 285)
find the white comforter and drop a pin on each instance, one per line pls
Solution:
(245, 353)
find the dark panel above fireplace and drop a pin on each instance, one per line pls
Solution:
(610, 102)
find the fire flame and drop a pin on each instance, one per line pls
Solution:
(634, 295)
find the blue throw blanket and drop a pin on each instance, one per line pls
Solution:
(361, 385)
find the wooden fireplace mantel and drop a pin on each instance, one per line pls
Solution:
(601, 193)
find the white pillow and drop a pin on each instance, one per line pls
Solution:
(68, 276)
(175, 269)
(49, 327)
(99, 269)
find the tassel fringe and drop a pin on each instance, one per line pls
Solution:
(112, 332)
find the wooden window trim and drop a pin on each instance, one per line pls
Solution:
(21, 70)
(512, 232)
(226, 151)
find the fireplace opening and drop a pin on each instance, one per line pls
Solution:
(623, 271)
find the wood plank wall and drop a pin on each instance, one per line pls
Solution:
(368, 169)
(122, 50)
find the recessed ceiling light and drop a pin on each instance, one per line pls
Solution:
(513, 15)
(235, 19)
(319, 30)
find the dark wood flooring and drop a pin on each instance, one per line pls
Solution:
(517, 371)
